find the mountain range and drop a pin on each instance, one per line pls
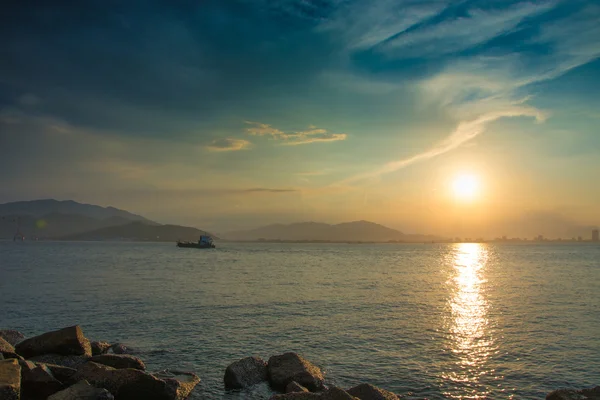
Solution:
(39, 208)
(357, 231)
(70, 220)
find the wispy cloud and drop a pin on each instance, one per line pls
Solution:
(311, 173)
(268, 190)
(465, 132)
(488, 82)
(311, 135)
(228, 144)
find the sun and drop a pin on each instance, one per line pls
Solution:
(465, 187)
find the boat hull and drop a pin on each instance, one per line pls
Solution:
(195, 245)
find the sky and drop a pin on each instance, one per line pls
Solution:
(235, 114)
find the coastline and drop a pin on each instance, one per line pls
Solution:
(65, 365)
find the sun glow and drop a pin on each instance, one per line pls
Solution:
(465, 187)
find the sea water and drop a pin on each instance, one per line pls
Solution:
(437, 321)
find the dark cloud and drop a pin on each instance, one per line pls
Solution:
(154, 68)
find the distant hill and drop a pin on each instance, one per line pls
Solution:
(39, 208)
(53, 225)
(358, 231)
(140, 231)
(50, 219)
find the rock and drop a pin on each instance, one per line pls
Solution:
(119, 361)
(289, 367)
(66, 341)
(7, 350)
(365, 391)
(63, 374)
(63, 361)
(572, 394)
(82, 391)
(180, 383)
(10, 380)
(37, 381)
(99, 348)
(133, 384)
(11, 336)
(119, 348)
(333, 393)
(245, 372)
(294, 387)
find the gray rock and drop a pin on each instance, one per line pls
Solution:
(572, 394)
(37, 381)
(245, 372)
(7, 349)
(11, 336)
(119, 361)
(82, 391)
(63, 374)
(119, 348)
(133, 384)
(294, 387)
(10, 380)
(63, 361)
(66, 341)
(365, 391)
(333, 393)
(99, 348)
(289, 367)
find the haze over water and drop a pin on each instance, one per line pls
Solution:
(462, 321)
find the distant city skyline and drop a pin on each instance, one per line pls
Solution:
(475, 119)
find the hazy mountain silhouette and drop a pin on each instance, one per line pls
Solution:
(548, 224)
(39, 208)
(140, 231)
(357, 231)
(53, 225)
(50, 219)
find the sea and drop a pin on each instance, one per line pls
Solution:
(434, 321)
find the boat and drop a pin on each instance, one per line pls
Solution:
(205, 242)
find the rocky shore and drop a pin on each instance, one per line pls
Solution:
(65, 365)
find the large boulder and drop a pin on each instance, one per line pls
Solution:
(99, 348)
(294, 387)
(289, 367)
(133, 384)
(7, 349)
(365, 391)
(10, 380)
(245, 372)
(82, 391)
(119, 361)
(63, 374)
(333, 393)
(37, 381)
(64, 361)
(11, 336)
(66, 341)
(572, 394)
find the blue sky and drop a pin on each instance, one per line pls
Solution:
(228, 114)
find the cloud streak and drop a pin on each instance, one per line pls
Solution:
(487, 82)
(311, 135)
(228, 144)
(464, 132)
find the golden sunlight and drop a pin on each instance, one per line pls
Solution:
(465, 187)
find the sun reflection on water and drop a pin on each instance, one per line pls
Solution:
(467, 324)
